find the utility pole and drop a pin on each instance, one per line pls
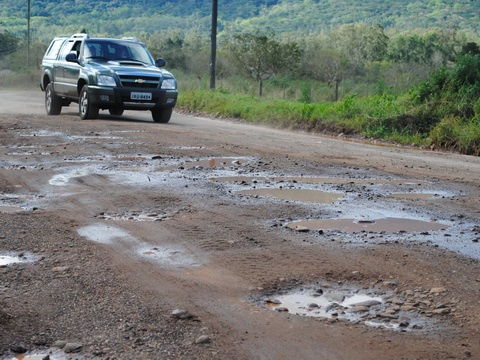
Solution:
(28, 34)
(213, 52)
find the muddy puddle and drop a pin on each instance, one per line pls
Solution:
(415, 196)
(133, 216)
(303, 195)
(409, 311)
(12, 258)
(166, 255)
(14, 203)
(384, 225)
(64, 178)
(313, 180)
(211, 163)
(10, 209)
(49, 354)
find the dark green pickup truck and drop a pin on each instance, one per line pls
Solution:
(101, 73)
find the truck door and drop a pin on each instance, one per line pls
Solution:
(66, 73)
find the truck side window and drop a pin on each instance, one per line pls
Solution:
(54, 49)
(71, 46)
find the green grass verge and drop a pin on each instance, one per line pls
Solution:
(391, 118)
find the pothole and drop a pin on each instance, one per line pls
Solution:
(212, 163)
(304, 195)
(48, 354)
(104, 234)
(10, 208)
(9, 259)
(133, 216)
(168, 255)
(64, 178)
(409, 311)
(388, 225)
(314, 180)
(414, 196)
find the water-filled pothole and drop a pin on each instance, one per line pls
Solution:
(313, 180)
(414, 196)
(47, 354)
(9, 259)
(212, 163)
(133, 216)
(304, 195)
(10, 208)
(168, 255)
(388, 225)
(371, 307)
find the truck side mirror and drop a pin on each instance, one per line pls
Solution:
(160, 62)
(71, 57)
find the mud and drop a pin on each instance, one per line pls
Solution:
(130, 221)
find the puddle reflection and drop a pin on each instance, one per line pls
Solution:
(372, 307)
(213, 163)
(10, 259)
(414, 196)
(304, 195)
(389, 225)
(314, 180)
(10, 209)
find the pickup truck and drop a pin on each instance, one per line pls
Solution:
(103, 73)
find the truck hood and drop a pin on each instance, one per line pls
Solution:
(129, 68)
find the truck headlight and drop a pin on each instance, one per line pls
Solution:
(169, 84)
(105, 80)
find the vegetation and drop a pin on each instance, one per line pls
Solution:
(397, 70)
(290, 17)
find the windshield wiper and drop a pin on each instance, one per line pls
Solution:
(128, 59)
(98, 58)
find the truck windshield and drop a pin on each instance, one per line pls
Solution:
(117, 50)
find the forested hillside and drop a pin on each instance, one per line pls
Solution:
(294, 17)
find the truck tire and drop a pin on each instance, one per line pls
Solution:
(85, 108)
(116, 111)
(53, 103)
(162, 115)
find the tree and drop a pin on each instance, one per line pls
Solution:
(434, 47)
(169, 45)
(326, 65)
(261, 56)
(470, 48)
(8, 42)
(360, 43)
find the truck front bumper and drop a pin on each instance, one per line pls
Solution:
(108, 97)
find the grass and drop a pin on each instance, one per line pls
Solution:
(393, 118)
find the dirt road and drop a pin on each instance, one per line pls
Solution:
(206, 239)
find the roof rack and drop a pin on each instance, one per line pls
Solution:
(129, 38)
(80, 36)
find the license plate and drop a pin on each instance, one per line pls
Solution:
(140, 96)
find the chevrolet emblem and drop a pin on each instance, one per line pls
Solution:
(139, 81)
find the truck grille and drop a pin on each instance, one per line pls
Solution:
(144, 82)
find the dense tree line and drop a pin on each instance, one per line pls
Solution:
(286, 17)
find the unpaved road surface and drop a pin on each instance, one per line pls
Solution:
(135, 240)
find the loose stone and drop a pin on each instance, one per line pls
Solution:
(203, 339)
(72, 348)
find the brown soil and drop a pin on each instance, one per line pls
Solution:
(214, 253)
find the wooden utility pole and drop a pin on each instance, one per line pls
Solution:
(213, 51)
(28, 34)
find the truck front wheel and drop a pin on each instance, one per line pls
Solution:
(162, 115)
(86, 109)
(53, 103)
